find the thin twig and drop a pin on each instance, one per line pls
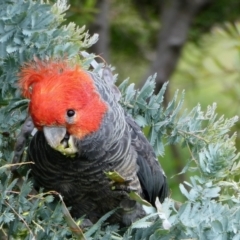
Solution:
(15, 164)
(194, 159)
(34, 237)
(38, 226)
(39, 196)
(104, 61)
(76, 230)
(192, 134)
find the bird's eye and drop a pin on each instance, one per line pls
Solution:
(70, 113)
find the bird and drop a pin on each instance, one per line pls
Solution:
(83, 133)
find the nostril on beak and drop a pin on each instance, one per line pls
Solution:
(64, 141)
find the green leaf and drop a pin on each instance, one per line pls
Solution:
(141, 121)
(96, 226)
(184, 190)
(115, 176)
(143, 223)
(8, 217)
(134, 196)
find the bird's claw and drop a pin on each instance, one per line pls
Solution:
(86, 223)
(128, 179)
(124, 186)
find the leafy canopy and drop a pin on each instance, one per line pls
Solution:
(211, 210)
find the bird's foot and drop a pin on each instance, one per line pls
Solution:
(85, 224)
(123, 186)
(131, 211)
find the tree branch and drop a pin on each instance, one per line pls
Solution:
(176, 19)
(101, 26)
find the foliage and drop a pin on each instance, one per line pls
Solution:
(78, 9)
(129, 34)
(212, 207)
(213, 13)
(216, 13)
(210, 71)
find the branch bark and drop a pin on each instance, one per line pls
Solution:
(176, 18)
(101, 26)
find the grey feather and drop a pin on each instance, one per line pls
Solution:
(118, 145)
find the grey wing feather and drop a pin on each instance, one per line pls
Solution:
(150, 174)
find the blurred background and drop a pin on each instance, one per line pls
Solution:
(193, 44)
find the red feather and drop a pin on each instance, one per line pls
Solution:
(54, 88)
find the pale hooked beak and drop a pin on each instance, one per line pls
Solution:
(59, 139)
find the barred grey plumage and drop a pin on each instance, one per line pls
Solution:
(118, 145)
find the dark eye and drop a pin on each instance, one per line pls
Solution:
(70, 113)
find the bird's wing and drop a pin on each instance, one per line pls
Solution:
(150, 174)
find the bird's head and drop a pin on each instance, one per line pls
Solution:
(64, 101)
